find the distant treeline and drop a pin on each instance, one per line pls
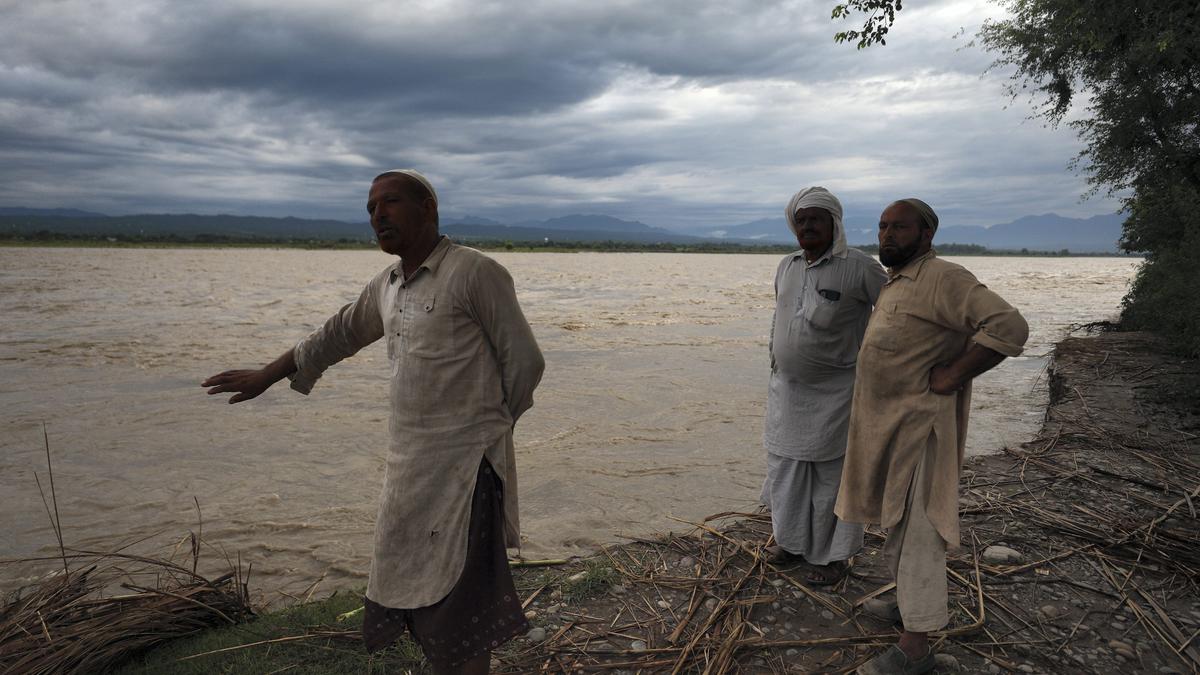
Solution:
(117, 240)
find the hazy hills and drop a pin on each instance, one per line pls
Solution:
(1047, 232)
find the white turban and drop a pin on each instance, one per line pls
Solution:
(821, 198)
(413, 174)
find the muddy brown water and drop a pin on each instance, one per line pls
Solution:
(651, 405)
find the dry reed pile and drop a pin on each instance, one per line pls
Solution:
(1101, 506)
(69, 623)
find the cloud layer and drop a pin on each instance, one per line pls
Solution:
(675, 113)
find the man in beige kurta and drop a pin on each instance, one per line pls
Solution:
(934, 329)
(463, 365)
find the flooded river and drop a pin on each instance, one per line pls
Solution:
(651, 405)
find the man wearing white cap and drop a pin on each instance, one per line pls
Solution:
(823, 297)
(935, 328)
(464, 365)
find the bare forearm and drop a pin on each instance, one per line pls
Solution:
(281, 367)
(975, 361)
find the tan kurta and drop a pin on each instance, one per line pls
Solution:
(464, 365)
(927, 314)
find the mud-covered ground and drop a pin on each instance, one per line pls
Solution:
(1100, 510)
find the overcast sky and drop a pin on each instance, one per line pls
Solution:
(673, 112)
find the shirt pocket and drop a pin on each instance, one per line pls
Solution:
(822, 309)
(430, 334)
(888, 328)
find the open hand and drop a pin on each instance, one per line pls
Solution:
(247, 384)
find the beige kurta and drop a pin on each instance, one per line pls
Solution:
(927, 314)
(464, 365)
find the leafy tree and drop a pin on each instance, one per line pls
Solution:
(1133, 70)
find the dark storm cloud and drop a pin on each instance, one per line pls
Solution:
(670, 112)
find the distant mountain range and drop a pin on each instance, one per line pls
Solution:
(1047, 232)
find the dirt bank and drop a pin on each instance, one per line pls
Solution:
(1100, 508)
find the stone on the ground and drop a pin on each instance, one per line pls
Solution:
(1025, 668)
(945, 663)
(710, 604)
(791, 652)
(1051, 611)
(777, 582)
(638, 645)
(553, 608)
(531, 614)
(578, 576)
(1001, 554)
(617, 589)
(1122, 649)
(687, 561)
(663, 604)
(827, 615)
(536, 634)
(993, 668)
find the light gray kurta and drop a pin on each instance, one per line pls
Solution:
(821, 312)
(464, 365)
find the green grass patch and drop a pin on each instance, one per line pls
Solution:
(596, 577)
(323, 655)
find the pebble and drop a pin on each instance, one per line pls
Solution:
(638, 645)
(1122, 649)
(553, 608)
(578, 576)
(777, 582)
(775, 606)
(710, 604)
(663, 604)
(536, 635)
(770, 618)
(993, 668)
(945, 662)
(531, 614)
(687, 561)
(827, 615)
(555, 594)
(618, 589)
(1001, 554)
(1025, 668)
(1051, 611)
(791, 652)
(1117, 625)
(787, 625)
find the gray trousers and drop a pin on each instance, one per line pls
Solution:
(917, 557)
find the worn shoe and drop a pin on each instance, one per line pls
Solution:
(882, 608)
(893, 661)
(826, 575)
(777, 556)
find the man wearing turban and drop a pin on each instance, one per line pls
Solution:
(934, 329)
(823, 297)
(463, 365)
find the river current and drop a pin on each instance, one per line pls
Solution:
(651, 405)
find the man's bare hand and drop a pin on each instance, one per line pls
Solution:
(251, 383)
(942, 380)
(247, 383)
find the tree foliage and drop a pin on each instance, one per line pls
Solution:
(881, 14)
(1126, 76)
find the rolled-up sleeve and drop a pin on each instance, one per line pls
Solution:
(353, 327)
(976, 309)
(493, 301)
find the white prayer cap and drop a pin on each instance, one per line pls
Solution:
(819, 197)
(413, 174)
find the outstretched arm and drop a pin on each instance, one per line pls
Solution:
(250, 383)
